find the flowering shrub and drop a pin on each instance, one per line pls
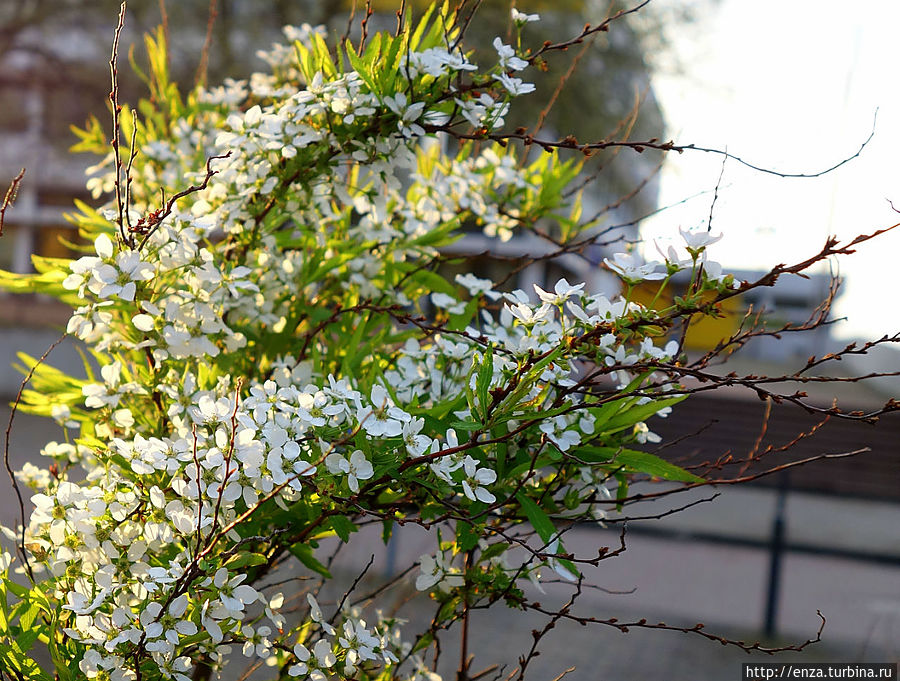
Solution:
(281, 361)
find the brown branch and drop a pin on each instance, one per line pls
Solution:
(202, 68)
(712, 205)
(464, 26)
(346, 36)
(364, 27)
(624, 198)
(754, 451)
(147, 225)
(587, 148)
(10, 197)
(384, 587)
(536, 635)
(400, 13)
(642, 496)
(664, 514)
(132, 154)
(462, 674)
(585, 32)
(116, 125)
(9, 470)
(697, 629)
(351, 589)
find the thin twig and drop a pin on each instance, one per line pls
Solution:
(400, 14)
(116, 126)
(364, 27)
(697, 629)
(132, 154)
(146, 226)
(712, 205)
(346, 36)
(202, 68)
(587, 31)
(639, 146)
(351, 589)
(9, 470)
(10, 197)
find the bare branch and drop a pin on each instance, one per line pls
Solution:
(121, 205)
(203, 67)
(698, 629)
(10, 197)
(12, 476)
(148, 224)
(587, 148)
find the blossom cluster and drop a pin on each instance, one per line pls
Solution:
(279, 362)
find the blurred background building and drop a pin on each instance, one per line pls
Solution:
(759, 560)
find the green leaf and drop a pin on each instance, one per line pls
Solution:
(61, 659)
(442, 235)
(343, 527)
(523, 464)
(536, 516)
(466, 536)
(359, 351)
(326, 266)
(447, 610)
(15, 660)
(389, 70)
(28, 617)
(363, 65)
(492, 551)
(322, 56)
(4, 617)
(27, 638)
(483, 382)
(635, 461)
(460, 321)
(651, 464)
(245, 559)
(442, 409)
(17, 589)
(440, 29)
(424, 641)
(568, 564)
(304, 553)
(48, 283)
(465, 425)
(421, 26)
(135, 67)
(529, 379)
(629, 416)
(431, 281)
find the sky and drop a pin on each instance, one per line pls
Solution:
(791, 85)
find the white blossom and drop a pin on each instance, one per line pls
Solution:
(631, 268)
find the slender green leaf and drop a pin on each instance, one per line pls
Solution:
(632, 415)
(304, 553)
(245, 559)
(635, 461)
(536, 516)
(483, 382)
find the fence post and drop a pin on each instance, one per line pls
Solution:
(776, 553)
